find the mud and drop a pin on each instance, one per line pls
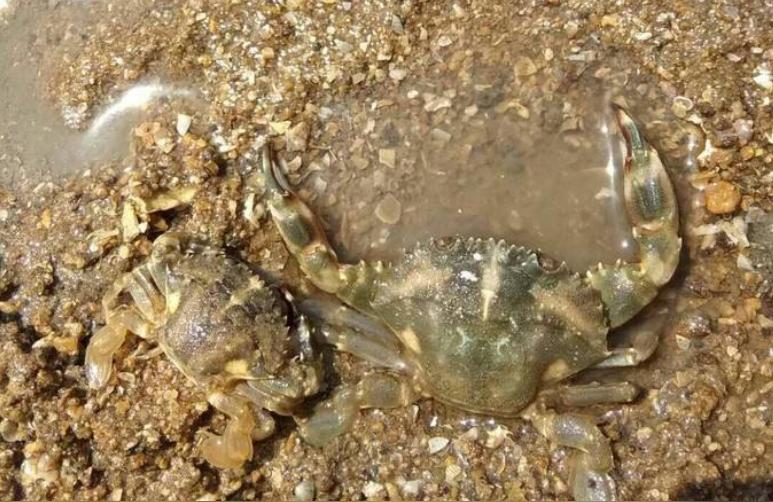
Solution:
(396, 121)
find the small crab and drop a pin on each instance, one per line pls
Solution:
(489, 327)
(223, 328)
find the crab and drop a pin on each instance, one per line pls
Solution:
(224, 328)
(489, 327)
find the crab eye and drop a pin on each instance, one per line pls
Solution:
(444, 243)
(547, 263)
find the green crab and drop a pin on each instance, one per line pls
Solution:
(486, 326)
(224, 328)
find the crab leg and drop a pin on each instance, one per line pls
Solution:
(337, 414)
(350, 331)
(234, 447)
(650, 202)
(300, 229)
(306, 240)
(108, 339)
(592, 462)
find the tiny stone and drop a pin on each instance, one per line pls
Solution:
(524, 67)
(279, 127)
(681, 106)
(644, 433)
(183, 123)
(444, 41)
(397, 74)
(610, 20)
(682, 342)
(411, 488)
(437, 444)
(496, 437)
(722, 197)
(9, 431)
(297, 136)
(371, 489)
(435, 103)
(387, 157)
(747, 152)
(642, 36)
(304, 491)
(452, 472)
(440, 136)
(389, 210)
(458, 11)
(762, 77)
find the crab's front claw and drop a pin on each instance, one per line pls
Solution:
(300, 229)
(651, 205)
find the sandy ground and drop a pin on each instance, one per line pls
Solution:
(397, 120)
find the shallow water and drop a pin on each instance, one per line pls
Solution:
(495, 177)
(38, 144)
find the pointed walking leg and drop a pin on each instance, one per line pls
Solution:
(336, 415)
(591, 463)
(234, 446)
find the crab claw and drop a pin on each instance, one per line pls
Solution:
(651, 206)
(300, 229)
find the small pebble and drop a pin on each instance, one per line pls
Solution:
(389, 210)
(436, 444)
(610, 20)
(411, 488)
(387, 157)
(444, 41)
(183, 123)
(440, 136)
(304, 491)
(495, 437)
(452, 472)
(372, 489)
(397, 74)
(681, 106)
(722, 197)
(297, 136)
(524, 67)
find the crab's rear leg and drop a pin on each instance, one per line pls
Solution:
(651, 205)
(591, 463)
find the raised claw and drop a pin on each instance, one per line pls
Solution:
(300, 229)
(651, 205)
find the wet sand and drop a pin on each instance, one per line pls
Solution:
(397, 121)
